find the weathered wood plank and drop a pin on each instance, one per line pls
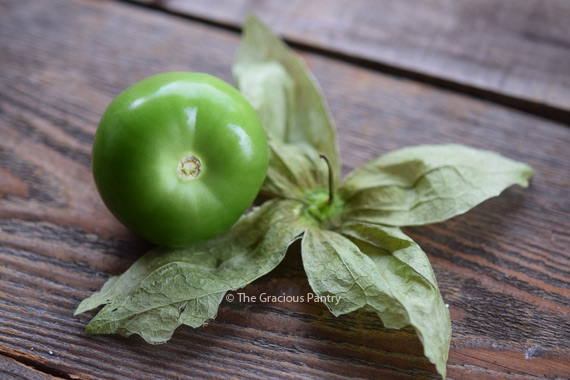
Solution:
(503, 268)
(515, 51)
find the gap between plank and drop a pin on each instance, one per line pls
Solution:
(26, 360)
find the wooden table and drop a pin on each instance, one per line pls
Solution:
(493, 75)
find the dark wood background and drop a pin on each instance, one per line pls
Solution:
(493, 75)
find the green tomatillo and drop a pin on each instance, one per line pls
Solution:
(178, 157)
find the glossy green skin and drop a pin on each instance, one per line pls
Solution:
(149, 128)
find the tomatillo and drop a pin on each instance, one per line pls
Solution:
(178, 157)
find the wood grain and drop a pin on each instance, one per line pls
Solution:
(503, 268)
(515, 52)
